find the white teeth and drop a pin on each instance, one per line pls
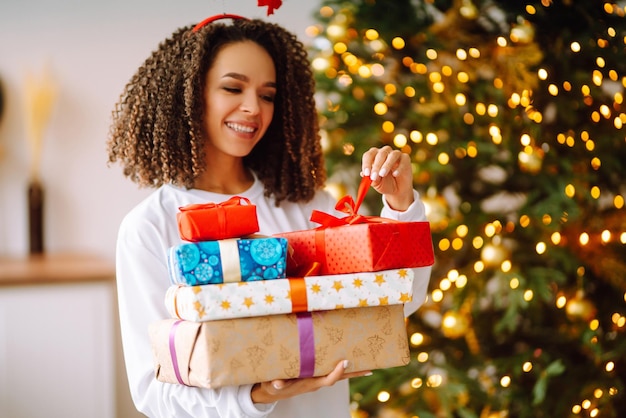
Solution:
(240, 128)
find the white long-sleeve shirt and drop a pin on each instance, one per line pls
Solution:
(145, 235)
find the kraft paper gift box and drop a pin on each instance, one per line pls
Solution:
(359, 243)
(271, 297)
(241, 351)
(230, 260)
(233, 218)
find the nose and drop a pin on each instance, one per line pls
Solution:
(250, 103)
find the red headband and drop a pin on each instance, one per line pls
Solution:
(214, 18)
(271, 6)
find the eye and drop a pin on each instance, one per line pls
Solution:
(233, 90)
(268, 95)
(269, 98)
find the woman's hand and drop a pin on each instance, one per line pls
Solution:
(268, 392)
(391, 175)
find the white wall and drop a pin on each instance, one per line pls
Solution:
(92, 48)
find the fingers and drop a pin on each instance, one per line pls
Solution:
(391, 173)
(314, 383)
(356, 374)
(279, 384)
(281, 389)
(379, 162)
(336, 375)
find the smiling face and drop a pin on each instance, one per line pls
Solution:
(240, 91)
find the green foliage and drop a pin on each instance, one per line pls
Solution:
(541, 386)
(517, 146)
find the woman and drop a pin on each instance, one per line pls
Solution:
(221, 110)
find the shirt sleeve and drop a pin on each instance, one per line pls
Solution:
(142, 280)
(415, 212)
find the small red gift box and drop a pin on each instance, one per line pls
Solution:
(216, 221)
(359, 243)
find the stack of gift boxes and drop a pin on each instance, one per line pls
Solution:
(247, 308)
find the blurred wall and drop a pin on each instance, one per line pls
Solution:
(91, 48)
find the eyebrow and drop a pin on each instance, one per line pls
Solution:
(242, 77)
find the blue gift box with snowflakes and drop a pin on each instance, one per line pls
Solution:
(227, 261)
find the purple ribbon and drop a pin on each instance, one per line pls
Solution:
(173, 352)
(307, 344)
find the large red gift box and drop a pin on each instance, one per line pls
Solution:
(358, 243)
(216, 221)
(364, 247)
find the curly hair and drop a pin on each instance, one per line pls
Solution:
(157, 132)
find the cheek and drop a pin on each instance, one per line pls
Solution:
(213, 119)
(268, 112)
(219, 110)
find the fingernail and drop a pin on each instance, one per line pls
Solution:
(346, 363)
(276, 385)
(368, 374)
(396, 173)
(383, 172)
(366, 172)
(374, 176)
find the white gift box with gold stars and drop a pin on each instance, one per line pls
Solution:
(280, 296)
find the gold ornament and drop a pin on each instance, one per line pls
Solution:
(406, 388)
(580, 308)
(436, 211)
(358, 413)
(531, 159)
(337, 190)
(514, 63)
(388, 412)
(468, 10)
(523, 33)
(493, 254)
(454, 325)
(487, 413)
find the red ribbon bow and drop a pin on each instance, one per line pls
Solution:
(271, 5)
(347, 205)
(233, 201)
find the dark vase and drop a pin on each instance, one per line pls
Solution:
(35, 216)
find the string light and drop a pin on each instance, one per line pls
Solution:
(417, 339)
(384, 396)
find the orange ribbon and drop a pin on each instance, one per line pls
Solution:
(297, 286)
(299, 302)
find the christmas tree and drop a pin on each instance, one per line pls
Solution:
(513, 114)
